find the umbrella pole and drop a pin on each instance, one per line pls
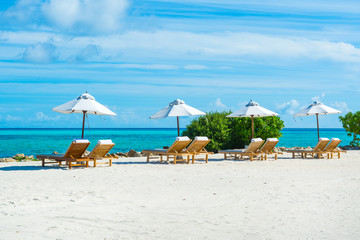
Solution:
(82, 135)
(317, 121)
(178, 125)
(252, 126)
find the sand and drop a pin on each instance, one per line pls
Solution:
(224, 199)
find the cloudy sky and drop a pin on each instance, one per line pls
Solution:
(137, 56)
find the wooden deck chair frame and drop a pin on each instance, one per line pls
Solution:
(251, 151)
(178, 148)
(317, 150)
(331, 148)
(268, 148)
(101, 152)
(72, 157)
(197, 147)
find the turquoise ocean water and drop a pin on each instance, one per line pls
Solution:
(34, 141)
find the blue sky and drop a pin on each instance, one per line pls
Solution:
(137, 56)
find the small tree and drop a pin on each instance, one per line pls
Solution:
(228, 133)
(214, 125)
(351, 123)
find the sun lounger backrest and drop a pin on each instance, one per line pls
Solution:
(77, 148)
(254, 145)
(332, 145)
(321, 144)
(198, 144)
(179, 144)
(101, 149)
(269, 145)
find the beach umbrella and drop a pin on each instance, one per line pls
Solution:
(317, 108)
(177, 109)
(84, 104)
(253, 109)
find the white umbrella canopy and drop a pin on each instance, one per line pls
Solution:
(84, 104)
(177, 108)
(253, 109)
(317, 108)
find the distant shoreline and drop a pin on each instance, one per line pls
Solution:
(141, 128)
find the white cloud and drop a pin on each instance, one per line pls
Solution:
(319, 97)
(40, 116)
(288, 107)
(148, 66)
(218, 104)
(180, 45)
(90, 52)
(195, 67)
(342, 106)
(85, 16)
(23, 11)
(44, 52)
(9, 118)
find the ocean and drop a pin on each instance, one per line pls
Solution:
(34, 141)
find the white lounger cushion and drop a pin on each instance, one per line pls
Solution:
(335, 139)
(272, 139)
(182, 138)
(256, 139)
(81, 141)
(201, 138)
(107, 141)
(320, 139)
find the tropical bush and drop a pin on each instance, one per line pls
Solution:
(351, 123)
(228, 133)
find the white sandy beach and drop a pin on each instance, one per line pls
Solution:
(283, 199)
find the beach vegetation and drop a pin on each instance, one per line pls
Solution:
(230, 133)
(351, 123)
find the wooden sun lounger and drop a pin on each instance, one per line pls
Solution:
(178, 148)
(197, 147)
(268, 147)
(100, 152)
(72, 157)
(317, 150)
(251, 151)
(332, 148)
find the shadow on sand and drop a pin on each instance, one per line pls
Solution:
(28, 168)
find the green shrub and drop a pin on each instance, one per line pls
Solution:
(351, 123)
(230, 133)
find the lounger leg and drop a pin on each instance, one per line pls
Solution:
(293, 155)
(69, 164)
(147, 157)
(43, 162)
(275, 156)
(265, 157)
(207, 158)
(161, 158)
(95, 162)
(251, 157)
(224, 155)
(188, 159)
(262, 157)
(174, 159)
(193, 158)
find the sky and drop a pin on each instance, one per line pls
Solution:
(137, 56)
